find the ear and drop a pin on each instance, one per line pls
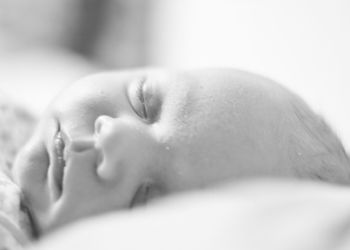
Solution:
(146, 192)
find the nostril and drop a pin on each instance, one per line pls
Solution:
(101, 122)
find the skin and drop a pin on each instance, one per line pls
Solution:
(202, 127)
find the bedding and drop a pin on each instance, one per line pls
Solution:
(250, 215)
(16, 125)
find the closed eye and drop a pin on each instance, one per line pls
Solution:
(145, 99)
(137, 99)
(141, 97)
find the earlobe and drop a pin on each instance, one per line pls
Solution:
(140, 196)
(146, 192)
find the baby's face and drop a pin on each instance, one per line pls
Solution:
(115, 140)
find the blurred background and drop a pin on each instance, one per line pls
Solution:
(304, 44)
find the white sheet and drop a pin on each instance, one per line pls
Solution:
(258, 215)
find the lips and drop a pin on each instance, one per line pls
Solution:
(58, 165)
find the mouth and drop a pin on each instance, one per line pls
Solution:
(141, 196)
(59, 164)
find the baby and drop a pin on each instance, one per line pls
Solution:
(116, 140)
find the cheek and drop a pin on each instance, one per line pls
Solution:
(203, 157)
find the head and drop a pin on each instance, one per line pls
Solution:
(114, 140)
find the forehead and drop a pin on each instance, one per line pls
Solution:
(199, 94)
(107, 87)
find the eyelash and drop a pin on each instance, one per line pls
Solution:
(141, 98)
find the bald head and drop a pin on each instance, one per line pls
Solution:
(314, 148)
(275, 121)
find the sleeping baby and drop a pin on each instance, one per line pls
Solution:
(116, 140)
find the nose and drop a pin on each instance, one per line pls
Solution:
(81, 144)
(102, 123)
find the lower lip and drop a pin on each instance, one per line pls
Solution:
(57, 186)
(58, 173)
(60, 177)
